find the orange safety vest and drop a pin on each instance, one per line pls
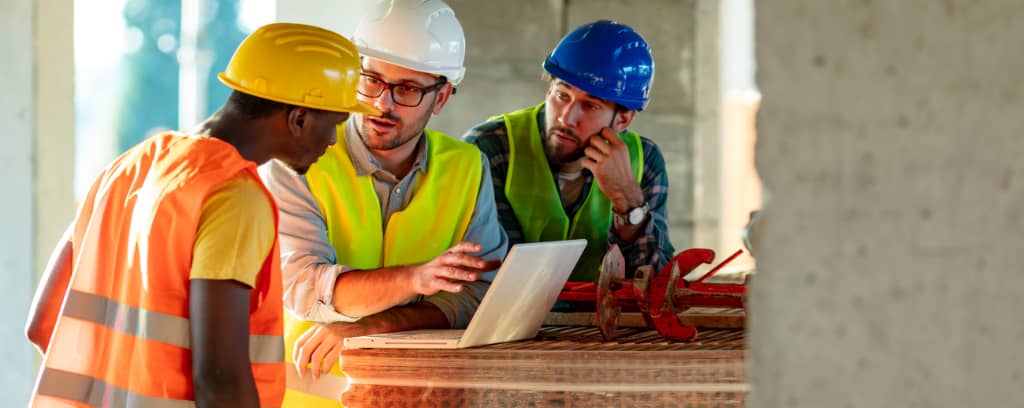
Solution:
(122, 336)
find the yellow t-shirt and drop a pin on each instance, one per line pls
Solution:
(236, 232)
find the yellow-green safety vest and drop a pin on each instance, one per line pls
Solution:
(531, 191)
(436, 218)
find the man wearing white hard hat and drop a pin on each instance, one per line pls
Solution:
(394, 228)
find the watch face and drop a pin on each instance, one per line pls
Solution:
(636, 215)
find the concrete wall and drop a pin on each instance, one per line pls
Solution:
(36, 114)
(17, 210)
(708, 145)
(54, 124)
(890, 261)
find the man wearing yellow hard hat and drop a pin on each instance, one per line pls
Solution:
(169, 274)
(395, 227)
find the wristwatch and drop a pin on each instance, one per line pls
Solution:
(636, 216)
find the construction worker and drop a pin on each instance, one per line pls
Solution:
(395, 227)
(169, 274)
(569, 168)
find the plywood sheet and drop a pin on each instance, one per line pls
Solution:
(561, 366)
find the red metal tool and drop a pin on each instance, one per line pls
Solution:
(659, 295)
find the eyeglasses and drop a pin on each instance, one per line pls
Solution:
(405, 95)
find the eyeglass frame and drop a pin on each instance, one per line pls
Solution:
(390, 87)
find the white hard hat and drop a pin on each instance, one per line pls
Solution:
(421, 35)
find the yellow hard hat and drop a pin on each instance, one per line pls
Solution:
(300, 65)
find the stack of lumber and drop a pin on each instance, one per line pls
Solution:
(562, 366)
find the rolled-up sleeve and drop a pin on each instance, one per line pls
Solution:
(485, 230)
(308, 261)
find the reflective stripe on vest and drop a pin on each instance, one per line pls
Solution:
(157, 326)
(533, 194)
(435, 219)
(122, 335)
(96, 393)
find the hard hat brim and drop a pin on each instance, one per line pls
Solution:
(453, 74)
(575, 80)
(358, 107)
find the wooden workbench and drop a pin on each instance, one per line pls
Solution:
(562, 366)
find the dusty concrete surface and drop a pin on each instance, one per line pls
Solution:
(890, 253)
(18, 209)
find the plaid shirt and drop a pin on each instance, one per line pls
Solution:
(653, 247)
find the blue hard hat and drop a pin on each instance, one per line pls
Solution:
(606, 59)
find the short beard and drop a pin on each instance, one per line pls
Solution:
(399, 141)
(364, 132)
(556, 158)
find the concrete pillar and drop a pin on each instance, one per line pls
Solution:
(708, 173)
(890, 250)
(36, 161)
(54, 124)
(18, 209)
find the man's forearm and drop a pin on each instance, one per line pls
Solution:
(629, 233)
(218, 325)
(212, 390)
(416, 316)
(364, 293)
(650, 246)
(626, 200)
(459, 307)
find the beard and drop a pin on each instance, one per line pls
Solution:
(558, 155)
(404, 132)
(381, 142)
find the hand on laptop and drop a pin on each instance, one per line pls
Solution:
(320, 347)
(449, 268)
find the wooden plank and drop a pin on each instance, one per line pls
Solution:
(561, 366)
(700, 317)
(359, 395)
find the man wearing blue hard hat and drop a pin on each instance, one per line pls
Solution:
(570, 168)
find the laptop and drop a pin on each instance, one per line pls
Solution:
(514, 307)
